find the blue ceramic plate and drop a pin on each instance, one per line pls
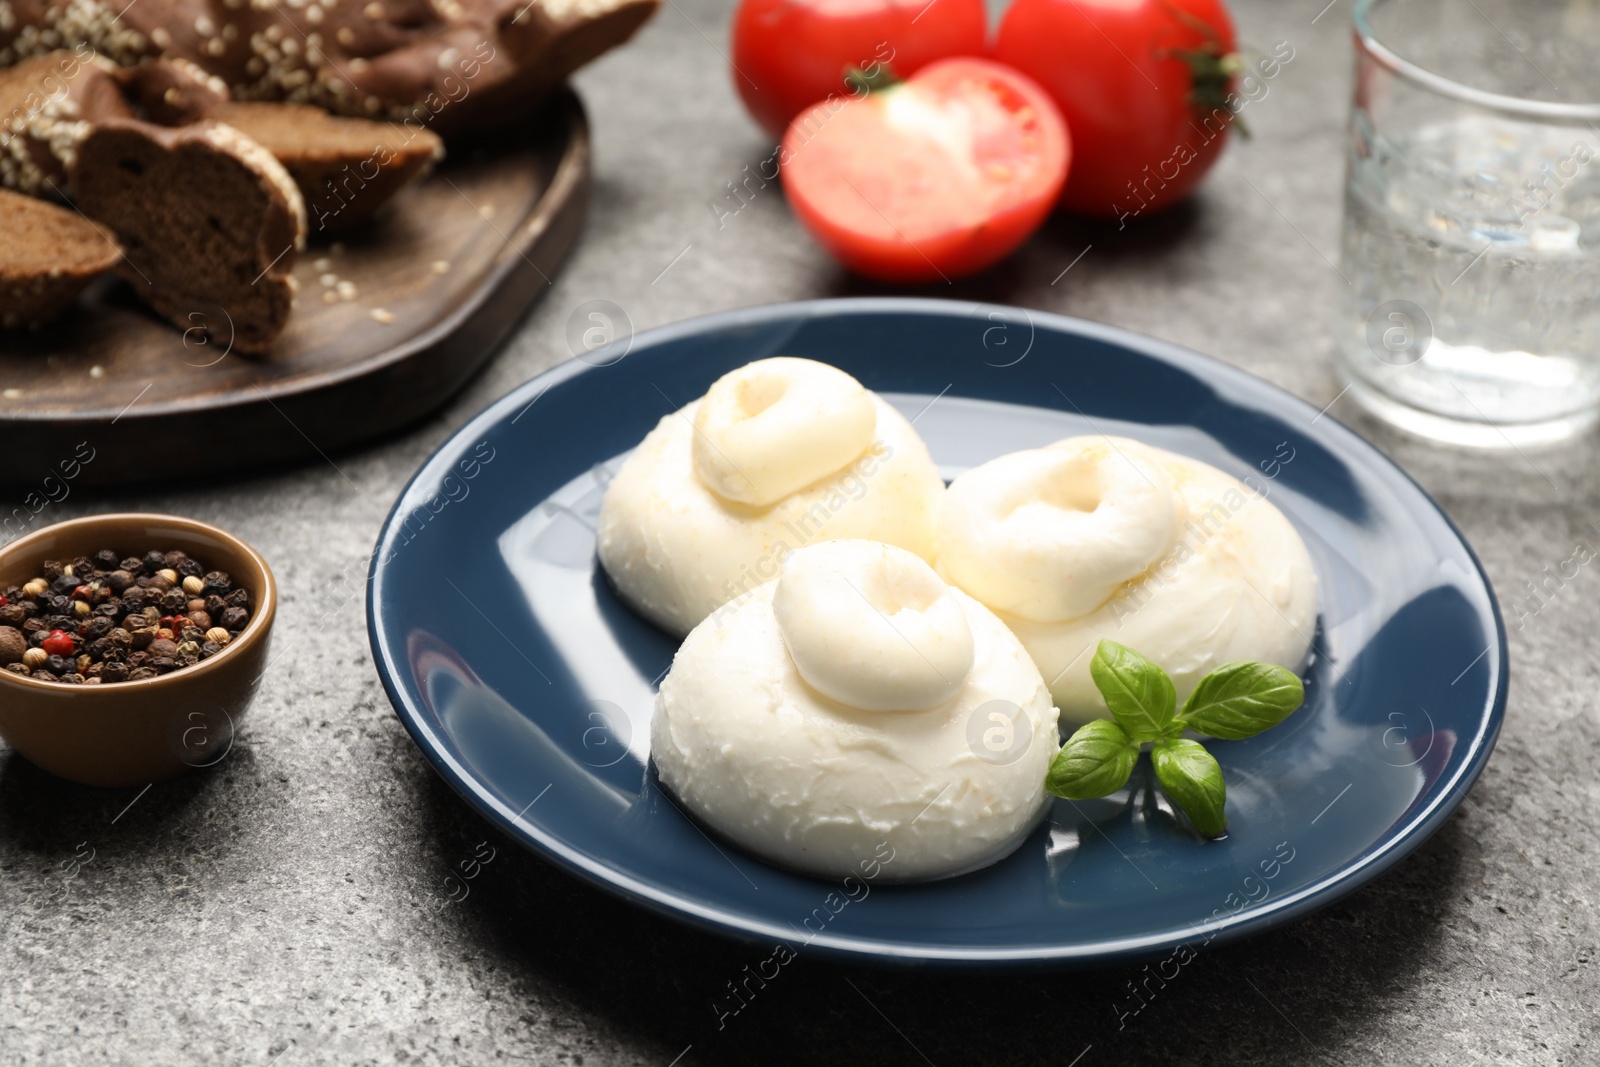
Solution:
(530, 686)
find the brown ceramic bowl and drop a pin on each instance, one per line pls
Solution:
(133, 733)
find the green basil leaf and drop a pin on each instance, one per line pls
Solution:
(1239, 700)
(1194, 782)
(1138, 693)
(1095, 762)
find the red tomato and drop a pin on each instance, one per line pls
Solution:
(790, 54)
(1147, 123)
(940, 176)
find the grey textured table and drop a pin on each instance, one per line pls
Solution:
(278, 909)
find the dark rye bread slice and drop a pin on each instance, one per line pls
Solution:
(346, 168)
(47, 256)
(208, 219)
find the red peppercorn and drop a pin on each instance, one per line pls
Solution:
(3, 600)
(58, 644)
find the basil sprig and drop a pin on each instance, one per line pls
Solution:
(1235, 701)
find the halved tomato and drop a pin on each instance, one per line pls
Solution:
(936, 177)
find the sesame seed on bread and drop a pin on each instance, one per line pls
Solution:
(46, 106)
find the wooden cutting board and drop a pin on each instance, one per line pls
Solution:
(389, 323)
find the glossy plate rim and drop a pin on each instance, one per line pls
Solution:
(1388, 849)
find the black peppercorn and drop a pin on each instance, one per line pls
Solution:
(234, 618)
(114, 671)
(133, 565)
(65, 584)
(154, 561)
(51, 569)
(13, 615)
(162, 664)
(58, 664)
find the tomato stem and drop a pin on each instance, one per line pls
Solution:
(1211, 68)
(875, 79)
(1212, 72)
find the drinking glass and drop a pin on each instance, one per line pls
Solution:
(1471, 241)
